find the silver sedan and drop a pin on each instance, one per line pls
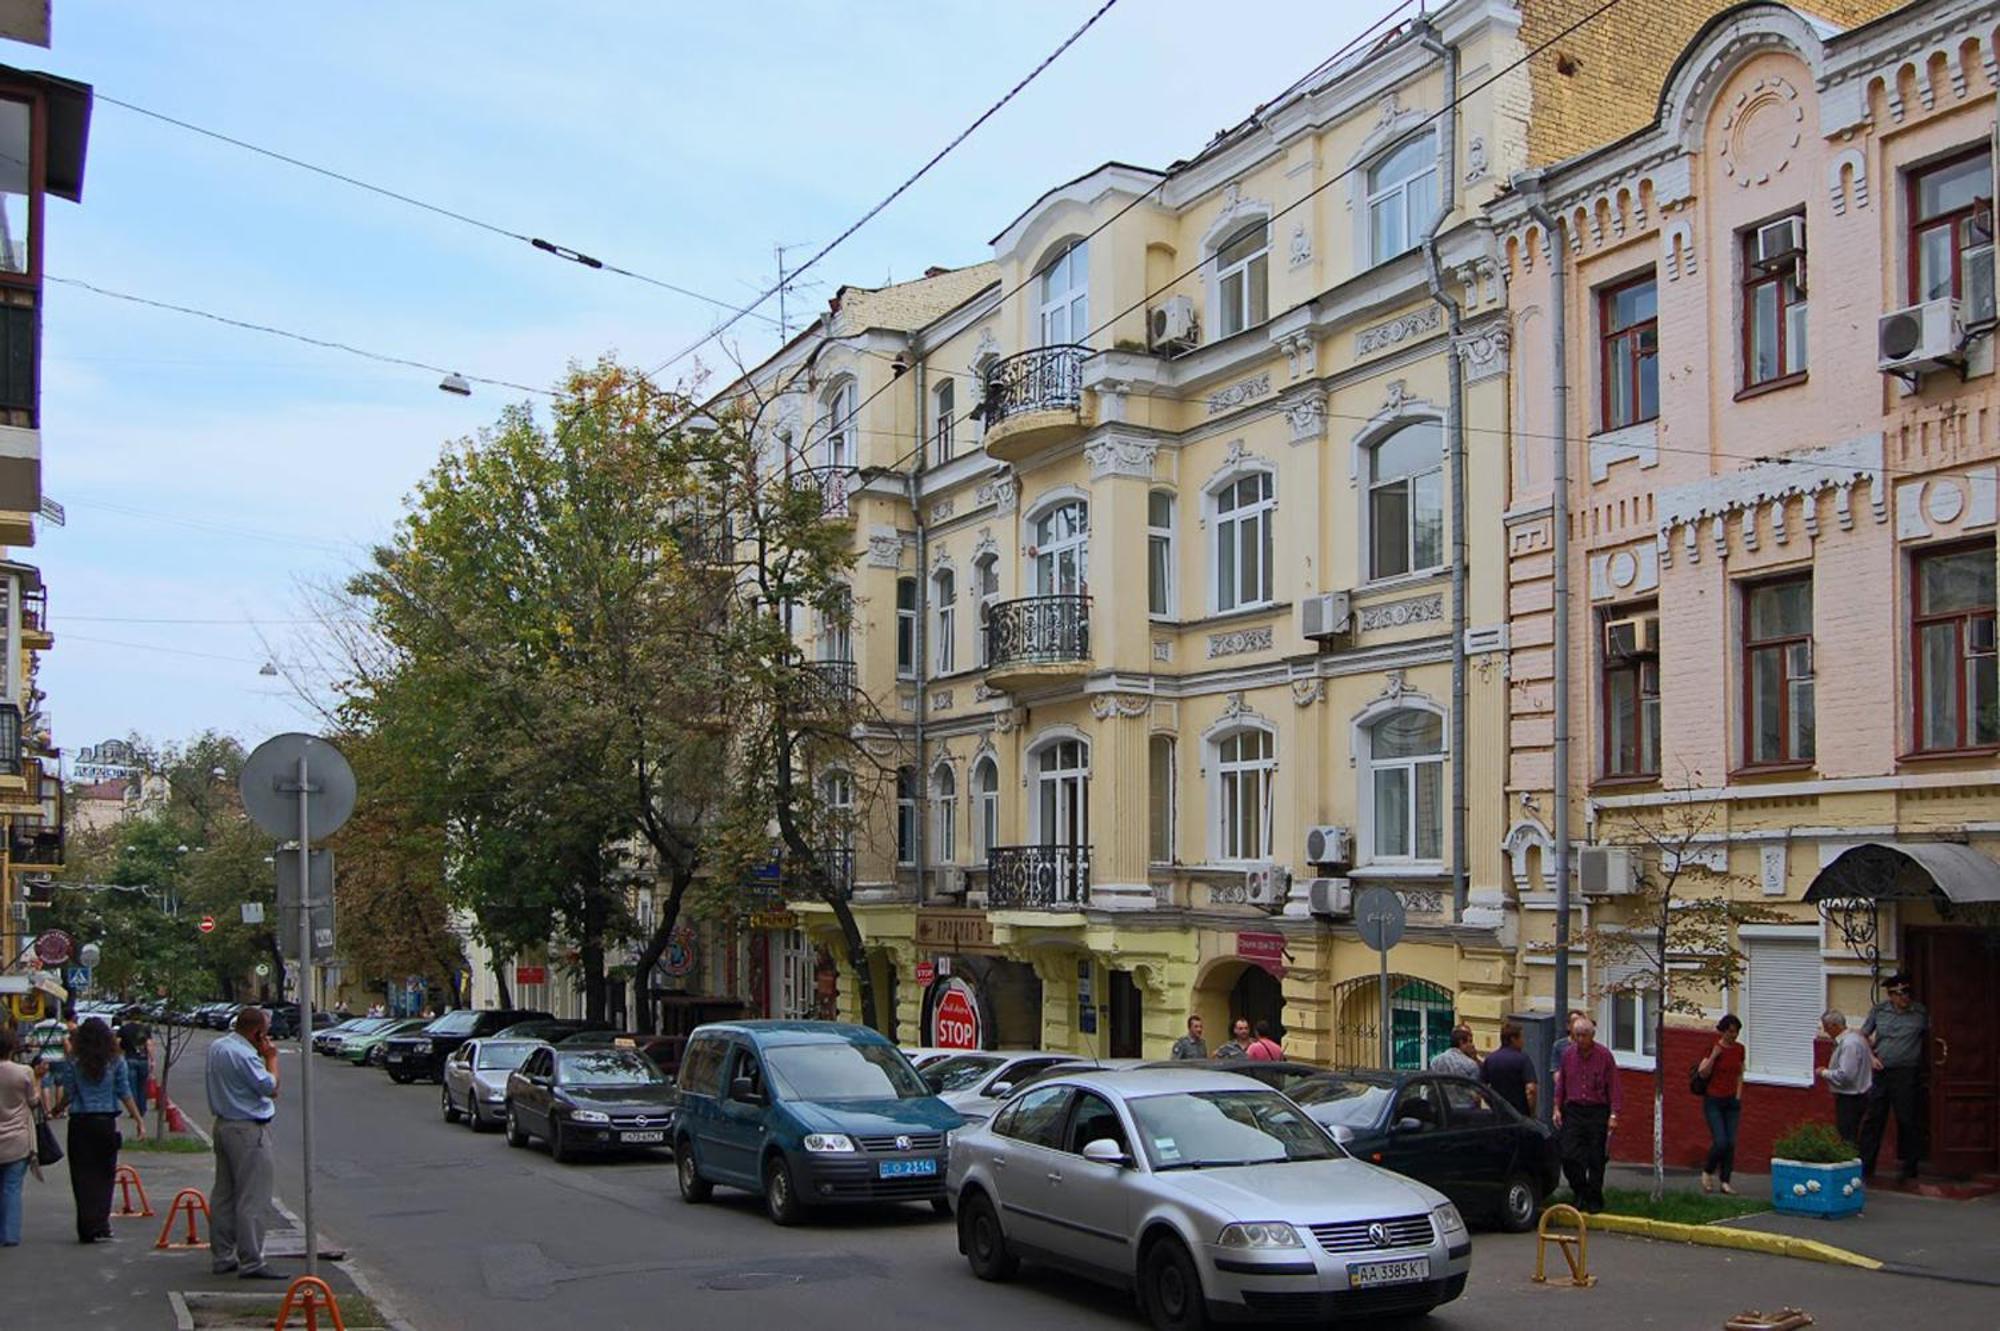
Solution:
(1210, 1194)
(475, 1080)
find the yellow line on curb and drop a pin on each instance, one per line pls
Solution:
(1747, 1240)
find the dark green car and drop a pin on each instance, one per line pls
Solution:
(368, 1046)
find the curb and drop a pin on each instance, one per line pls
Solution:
(1747, 1240)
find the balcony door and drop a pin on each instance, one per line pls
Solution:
(1062, 803)
(1062, 550)
(1065, 297)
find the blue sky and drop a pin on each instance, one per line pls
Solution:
(212, 474)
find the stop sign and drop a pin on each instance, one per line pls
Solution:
(207, 924)
(955, 1020)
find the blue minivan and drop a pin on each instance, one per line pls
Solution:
(808, 1113)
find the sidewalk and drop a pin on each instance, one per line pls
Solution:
(1909, 1234)
(54, 1283)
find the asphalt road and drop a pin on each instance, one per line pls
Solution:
(460, 1231)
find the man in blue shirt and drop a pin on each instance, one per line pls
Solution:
(242, 1074)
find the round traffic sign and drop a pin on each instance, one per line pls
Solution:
(270, 785)
(207, 924)
(53, 948)
(955, 1020)
(1379, 917)
(263, 968)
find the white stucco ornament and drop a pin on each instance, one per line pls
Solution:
(1798, 1190)
(1812, 1185)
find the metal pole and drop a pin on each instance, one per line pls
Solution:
(306, 1008)
(1382, 997)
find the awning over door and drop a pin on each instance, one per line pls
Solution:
(1909, 870)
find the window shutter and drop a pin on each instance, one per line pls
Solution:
(1786, 997)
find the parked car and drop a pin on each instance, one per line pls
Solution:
(475, 1079)
(549, 1028)
(1210, 1192)
(1449, 1132)
(329, 1041)
(921, 1056)
(219, 1016)
(808, 1113)
(588, 1100)
(594, 1038)
(1278, 1074)
(975, 1084)
(422, 1053)
(367, 1046)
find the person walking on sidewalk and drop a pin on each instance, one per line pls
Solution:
(1900, 1030)
(242, 1076)
(1586, 1112)
(20, 1094)
(1722, 1101)
(91, 1086)
(1849, 1072)
(1508, 1071)
(135, 1038)
(1461, 1058)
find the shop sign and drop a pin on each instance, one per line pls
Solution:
(954, 930)
(955, 1019)
(926, 974)
(677, 963)
(531, 975)
(1264, 951)
(773, 919)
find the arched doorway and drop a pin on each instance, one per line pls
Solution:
(1232, 989)
(1420, 1021)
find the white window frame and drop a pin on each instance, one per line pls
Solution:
(1061, 308)
(1372, 854)
(837, 425)
(1233, 316)
(1047, 583)
(944, 815)
(1079, 774)
(906, 816)
(944, 599)
(1377, 193)
(836, 634)
(906, 629)
(1228, 525)
(1226, 781)
(944, 416)
(986, 593)
(986, 811)
(1160, 539)
(1371, 453)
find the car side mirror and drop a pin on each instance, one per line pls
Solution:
(1342, 1134)
(745, 1090)
(1106, 1152)
(1001, 1090)
(1408, 1125)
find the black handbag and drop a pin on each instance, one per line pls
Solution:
(48, 1150)
(1697, 1083)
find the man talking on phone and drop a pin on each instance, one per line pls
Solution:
(242, 1076)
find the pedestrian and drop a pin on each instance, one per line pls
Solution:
(1586, 1112)
(1461, 1057)
(1563, 1041)
(242, 1077)
(1265, 1049)
(1191, 1046)
(1899, 1028)
(1238, 1043)
(20, 1097)
(1508, 1071)
(1721, 1073)
(1849, 1072)
(91, 1086)
(135, 1039)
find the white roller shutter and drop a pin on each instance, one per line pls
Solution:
(1786, 996)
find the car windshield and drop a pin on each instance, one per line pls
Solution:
(505, 1055)
(842, 1071)
(609, 1067)
(959, 1073)
(372, 1024)
(1352, 1104)
(462, 1022)
(1218, 1129)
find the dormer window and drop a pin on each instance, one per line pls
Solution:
(1242, 269)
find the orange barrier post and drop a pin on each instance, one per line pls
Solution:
(128, 1179)
(1575, 1248)
(192, 1200)
(312, 1294)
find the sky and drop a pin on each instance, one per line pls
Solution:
(213, 477)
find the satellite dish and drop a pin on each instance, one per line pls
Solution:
(270, 785)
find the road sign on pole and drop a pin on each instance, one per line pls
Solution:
(294, 784)
(207, 924)
(1379, 918)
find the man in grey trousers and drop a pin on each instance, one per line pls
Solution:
(242, 1095)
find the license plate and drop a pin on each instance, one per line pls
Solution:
(1371, 1274)
(907, 1168)
(642, 1138)
(397, 1055)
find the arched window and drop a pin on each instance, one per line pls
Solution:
(1243, 539)
(906, 628)
(1062, 786)
(944, 414)
(906, 815)
(1406, 500)
(986, 810)
(944, 815)
(985, 591)
(944, 596)
(1160, 789)
(1244, 764)
(1065, 297)
(1402, 196)
(1406, 786)
(1160, 554)
(1242, 279)
(1061, 550)
(1420, 1020)
(837, 425)
(836, 629)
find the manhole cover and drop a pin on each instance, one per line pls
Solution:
(750, 1280)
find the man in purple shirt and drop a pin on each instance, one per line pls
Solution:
(1586, 1112)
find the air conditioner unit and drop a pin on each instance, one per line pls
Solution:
(1778, 243)
(1607, 871)
(1331, 897)
(1921, 337)
(1329, 845)
(1327, 615)
(18, 912)
(1979, 307)
(1265, 885)
(1635, 635)
(1170, 327)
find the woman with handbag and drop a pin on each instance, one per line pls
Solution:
(91, 1086)
(20, 1097)
(1721, 1075)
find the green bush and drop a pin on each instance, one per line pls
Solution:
(1812, 1144)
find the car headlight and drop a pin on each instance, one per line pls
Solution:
(1449, 1222)
(494, 1093)
(829, 1143)
(951, 1137)
(1266, 1234)
(589, 1116)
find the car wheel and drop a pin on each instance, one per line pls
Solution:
(985, 1247)
(694, 1188)
(515, 1137)
(941, 1205)
(1172, 1288)
(450, 1109)
(559, 1150)
(781, 1198)
(1520, 1204)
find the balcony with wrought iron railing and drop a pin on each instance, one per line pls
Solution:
(1038, 877)
(834, 486)
(1035, 401)
(1037, 637)
(826, 689)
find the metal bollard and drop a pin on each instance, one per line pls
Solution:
(192, 1200)
(312, 1295)
(128, 1179)
(1575, 1248)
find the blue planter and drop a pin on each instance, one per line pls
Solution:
(1827, 1191)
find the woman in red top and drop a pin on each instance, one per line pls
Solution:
(1723, 1103)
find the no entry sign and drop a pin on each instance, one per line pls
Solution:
(955, 1020)
(207, 924)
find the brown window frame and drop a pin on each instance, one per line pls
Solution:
(1782, 644)
(1754, 280)
(1918, 621)
(38, 158)
(1913, 184)
(1636, 666)
(1609, 349)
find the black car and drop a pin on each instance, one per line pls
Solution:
(422, 1053)
(589, 1100)
(1449, 1132)
(1280, 1074)
(548, 1028)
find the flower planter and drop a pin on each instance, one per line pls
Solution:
(1827, 1191)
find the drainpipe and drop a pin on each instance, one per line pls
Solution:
(1558, 247)
(1427, 36)
(921, 796)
